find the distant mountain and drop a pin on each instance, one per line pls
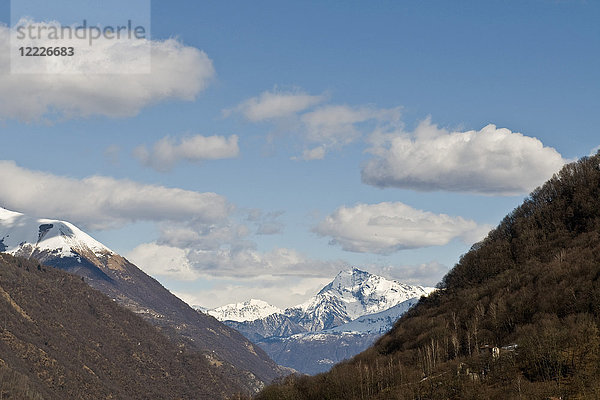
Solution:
(62, 245)
(352, 294)
(275, 325)
(378, 323)
(315, 352)
(62, 340)
(247, 311)
(341, 320)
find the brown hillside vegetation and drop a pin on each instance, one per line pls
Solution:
(517, 317)
(121, 280)
(61, 339)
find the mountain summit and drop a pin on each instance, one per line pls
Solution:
(353, 293)
(44, 238)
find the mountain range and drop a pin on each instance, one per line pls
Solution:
(341, 320)
(62, 245)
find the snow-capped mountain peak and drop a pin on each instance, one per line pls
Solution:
(250, 310)
(319, 312)
(346, 280)
(365, 293)
(23, 235)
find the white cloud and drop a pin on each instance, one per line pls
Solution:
(203, 236)
(267, 223)
(281, 276)
(99, 202)
(490, 161)
(166, 261)
(275, 104)
(317, 153)
(328, 126)
(228, 263)
(388, 227)
(223, 250)
(335, 125)
(231, 269)
(177, 72)
(168, 151)
(248, 263)
(195, 250)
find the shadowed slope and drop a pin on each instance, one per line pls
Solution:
(61, 339)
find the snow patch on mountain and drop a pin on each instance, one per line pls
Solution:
(378, 323)
(320, 312)
(24, 235)
(352, 294)
(364, 293)
(247, 311)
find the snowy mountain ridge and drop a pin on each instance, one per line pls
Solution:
(352, 294)
(247, 311)
(340, 321)
(23, 235)
(365, 293)
(378, 323)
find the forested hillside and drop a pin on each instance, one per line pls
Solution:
(61, 339)
(517, 317)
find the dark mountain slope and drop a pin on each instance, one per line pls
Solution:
(176, 319)
(517, 317)
(61, 339)
(62, 245)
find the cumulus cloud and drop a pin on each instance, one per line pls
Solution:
(317, 153)
(168, 151)
(231, 263)
(205, 236)
(322, 127)
(334, 125)
(266, 223)
(115, 88)
(166, 261)
(389, 227)
(99, 202)
(224, 251)
(232, 269)
(276, 104)
(489, 161)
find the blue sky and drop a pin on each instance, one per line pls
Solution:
(384, 94)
